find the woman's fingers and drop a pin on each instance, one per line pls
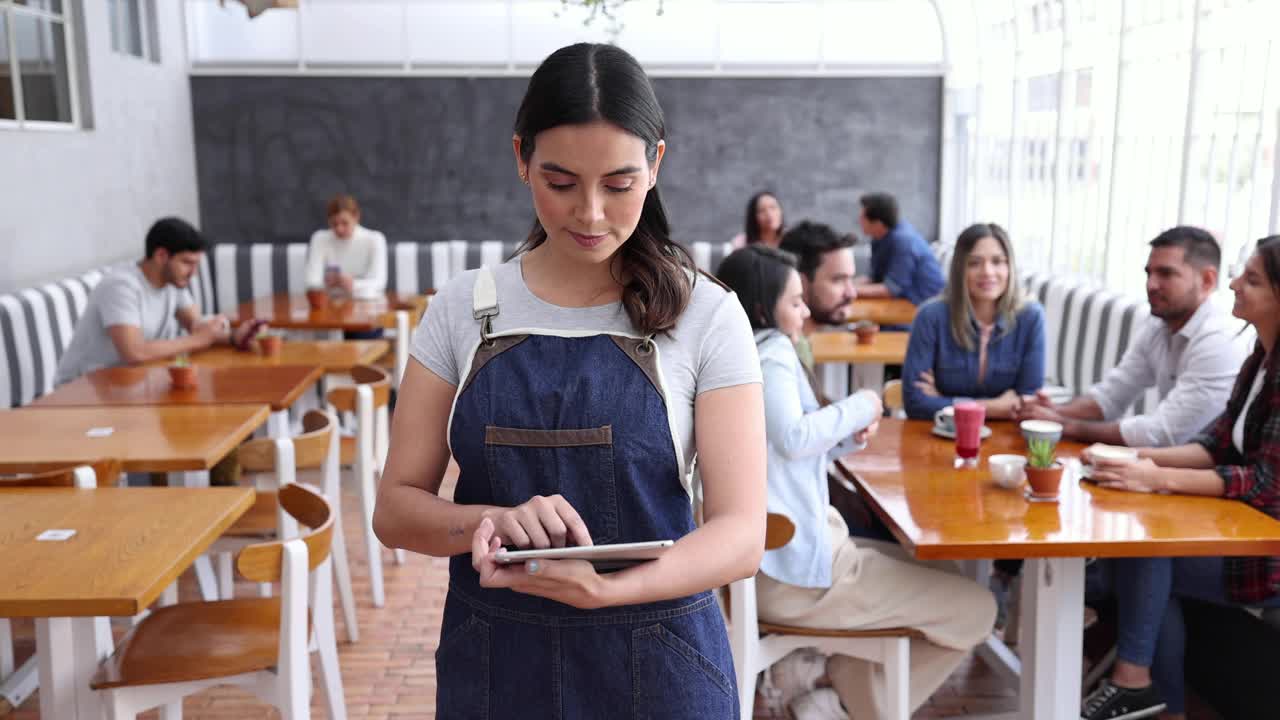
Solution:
(576, 528)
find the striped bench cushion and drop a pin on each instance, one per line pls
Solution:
(1087, 330)
(36, 325)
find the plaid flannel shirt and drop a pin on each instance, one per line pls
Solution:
(1251, 477)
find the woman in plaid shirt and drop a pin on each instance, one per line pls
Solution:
(1237, 456)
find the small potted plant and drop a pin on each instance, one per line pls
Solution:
(182, 373)
(1044, 472)
(866, 331)
(270, 342)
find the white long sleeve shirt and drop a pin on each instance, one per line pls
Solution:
(1194, 369)
(363, 257)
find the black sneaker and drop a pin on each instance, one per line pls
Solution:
(1111, 702)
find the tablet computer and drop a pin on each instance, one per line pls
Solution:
(602, 556)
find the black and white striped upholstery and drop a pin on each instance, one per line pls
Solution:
(36, 325)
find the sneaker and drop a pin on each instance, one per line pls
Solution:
(797, 674)
(1112, 702)
(821, 704)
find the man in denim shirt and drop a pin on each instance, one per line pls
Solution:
(902, 265)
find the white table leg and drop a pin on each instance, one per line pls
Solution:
(55, 646)
(91, 648)
(834, 378)
(869, 376)
(1052, 638)
(278, 424)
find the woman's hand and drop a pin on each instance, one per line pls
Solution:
(544, 521)
(927, 385)
(572, 582)
(1007, 405)
(1132, 475)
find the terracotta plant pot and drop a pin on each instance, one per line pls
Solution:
(269, 345)
(183, 377)
(317, 298)
(866, 333)
(1045, 482)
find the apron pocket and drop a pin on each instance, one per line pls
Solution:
(577, 464)
(673, 681)
(462, 668)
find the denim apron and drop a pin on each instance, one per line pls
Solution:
(582, 414)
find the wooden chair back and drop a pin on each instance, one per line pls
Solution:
(309, 449)
(343, 399)
(263, 562)
(106, 473)
(893, 396)
(778, 531)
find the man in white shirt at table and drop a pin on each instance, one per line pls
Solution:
(1189, 349)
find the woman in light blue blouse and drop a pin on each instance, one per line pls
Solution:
(823, 577)
(982, 339)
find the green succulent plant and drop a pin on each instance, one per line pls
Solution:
(181, 360)
(1040, 453)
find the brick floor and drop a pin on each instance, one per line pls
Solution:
(390, 673)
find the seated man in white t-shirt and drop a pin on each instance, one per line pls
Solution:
(140, 313)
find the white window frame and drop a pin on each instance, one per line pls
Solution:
(10, 9)
(148, 32)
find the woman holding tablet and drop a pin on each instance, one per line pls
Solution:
(568, 384)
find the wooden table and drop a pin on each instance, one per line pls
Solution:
(130, 544)
(277, 386)
(293, 312)
(168, 438)
(837, 349)
(883, 311)
(939, 512)
(395, 310)
(331, 356)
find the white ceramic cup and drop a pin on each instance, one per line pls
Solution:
(946, 419)
(1007, 470)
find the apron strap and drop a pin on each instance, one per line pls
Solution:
(484, 301)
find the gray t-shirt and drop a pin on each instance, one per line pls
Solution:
(711, 346)
(124, 297)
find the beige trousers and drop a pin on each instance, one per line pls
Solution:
(874, 585)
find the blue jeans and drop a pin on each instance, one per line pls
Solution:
(1151, 631)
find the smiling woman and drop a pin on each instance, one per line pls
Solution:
(567, 384)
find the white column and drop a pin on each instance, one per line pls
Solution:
(1052, 637)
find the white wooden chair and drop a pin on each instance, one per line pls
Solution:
(259, 644)
(757, 646)
(368, 400)
(274, 463)
(892, 399)
(18, 683)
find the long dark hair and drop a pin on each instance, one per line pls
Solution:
(757, 274)
(586, 83)
(752, 231)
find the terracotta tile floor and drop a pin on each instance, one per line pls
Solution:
(390, 673)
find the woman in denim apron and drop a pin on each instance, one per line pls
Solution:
(577, 435)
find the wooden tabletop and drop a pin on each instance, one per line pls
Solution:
(331, 356)
(883, 311)
(292, 311)
(940, 512)
(158, 438)
(841, 346)
(276, 386)
(130, 543)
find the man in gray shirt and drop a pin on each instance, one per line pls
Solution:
(136, 314)
(1189, 349)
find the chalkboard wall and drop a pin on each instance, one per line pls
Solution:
(430, 158)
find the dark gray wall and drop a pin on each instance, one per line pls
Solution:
(430, 158)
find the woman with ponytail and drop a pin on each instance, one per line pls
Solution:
(569, 384)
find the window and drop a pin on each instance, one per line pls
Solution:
(35, 65)
(134, 28)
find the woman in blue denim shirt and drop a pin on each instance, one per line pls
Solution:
(982, 339)
(823, 577)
